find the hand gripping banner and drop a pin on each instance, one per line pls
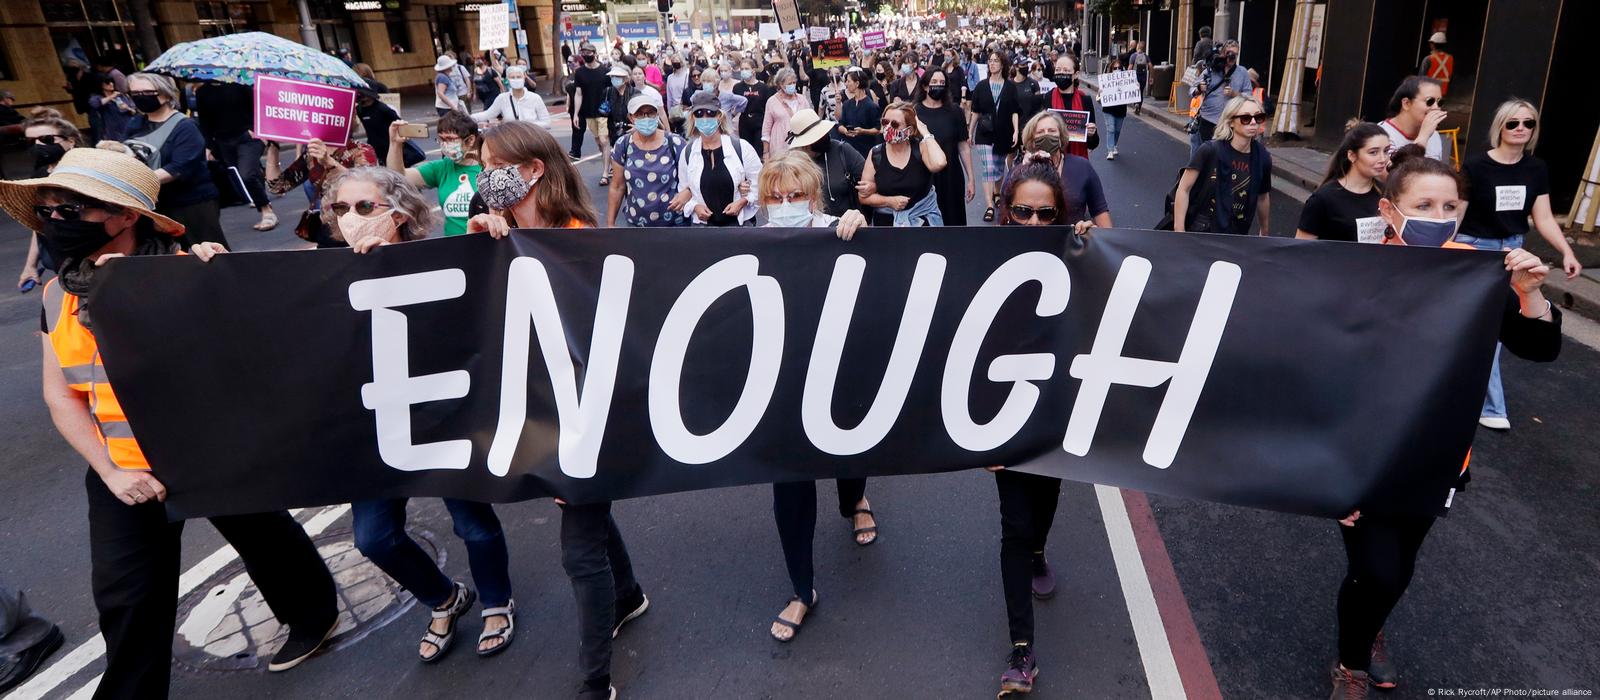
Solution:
(1305, 377)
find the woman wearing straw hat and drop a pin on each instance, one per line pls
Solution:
(97, 205)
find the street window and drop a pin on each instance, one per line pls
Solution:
(442, 27)
(399, 31)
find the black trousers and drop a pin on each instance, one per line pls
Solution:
(1027, 509)
(134, 554)
(245, 153)
(596, 559)
(794, 509)
(1382, 554)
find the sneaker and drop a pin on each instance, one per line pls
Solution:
(303, 642)
(1381, 670)
(1020, 670)
(1111, 154)
(629, 608)
(1495, 422)
(1044, 578)
(573, 157)
(1348, 684)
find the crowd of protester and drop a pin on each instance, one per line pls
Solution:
(702, 134)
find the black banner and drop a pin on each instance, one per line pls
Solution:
(1297, 376)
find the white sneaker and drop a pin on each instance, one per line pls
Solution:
(1111, 154)
(1495, 422)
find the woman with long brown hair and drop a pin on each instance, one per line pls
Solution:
(528, 182)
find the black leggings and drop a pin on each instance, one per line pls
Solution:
(1382, 553)
(1027, 509)
(794, 509)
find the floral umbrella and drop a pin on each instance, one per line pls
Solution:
(237, 58)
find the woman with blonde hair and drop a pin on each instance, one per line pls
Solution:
(1233, 172)
(529, 182)
(1509, 185)
(717, 169)
(788, 186)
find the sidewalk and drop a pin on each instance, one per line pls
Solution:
(1302, 167)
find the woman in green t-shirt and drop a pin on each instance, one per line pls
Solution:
(454, 174)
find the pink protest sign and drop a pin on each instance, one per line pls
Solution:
(873, 40)
(296, 111)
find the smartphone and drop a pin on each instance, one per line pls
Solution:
(414, 131)
(27, 286)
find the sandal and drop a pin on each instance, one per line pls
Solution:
(605, 180)
(267, 223)
(504, 634)
(988, 214)
(796, 625)
(858, 532)
(463, 600)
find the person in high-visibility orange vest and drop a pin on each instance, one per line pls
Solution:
(1438, 64)
(97, 205)
(1423, 204)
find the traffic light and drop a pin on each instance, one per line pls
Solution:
(663, 6)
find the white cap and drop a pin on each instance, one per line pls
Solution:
(646, 96)
(1437, 38)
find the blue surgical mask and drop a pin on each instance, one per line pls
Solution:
(616, 82)
(744, 74)
(646, 125)
(708, 85)
(1425, 231)
(706, 125)
(789, 214)
(789, 89)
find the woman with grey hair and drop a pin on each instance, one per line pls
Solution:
(520, 103)
(171, 144)
(371, 206)
(781, 107)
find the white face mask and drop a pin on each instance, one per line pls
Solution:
(516, 83)
(790, 214)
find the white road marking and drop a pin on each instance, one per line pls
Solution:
(91, 650)
(1155, 651)
(208, 614)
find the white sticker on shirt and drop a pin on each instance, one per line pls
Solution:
(1369, 229)
(456, 206)
(1510, 197)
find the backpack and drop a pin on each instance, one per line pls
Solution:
(1201, 216)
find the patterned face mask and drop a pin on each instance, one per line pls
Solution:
(503, 188)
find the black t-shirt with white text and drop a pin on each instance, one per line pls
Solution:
(1333, 213)
(1502, 195)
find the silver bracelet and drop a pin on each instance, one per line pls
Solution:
(1548, 305)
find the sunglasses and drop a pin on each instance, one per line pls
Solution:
(1257, 118)
(890, 124)
(705, 113)
(1022, 213)
(144, 93)
(780, 198)
(1430, 101)
(1519, 123)
(363, 207)
(69, 211)
(47, 138)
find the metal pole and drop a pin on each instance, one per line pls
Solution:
(1219, 25)
(308, 31)
(516, 25)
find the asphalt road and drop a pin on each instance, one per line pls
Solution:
(1503, 597)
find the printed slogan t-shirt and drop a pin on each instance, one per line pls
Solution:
(456, 184)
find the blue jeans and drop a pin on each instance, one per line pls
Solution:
(1114, 131)
(381, 536)
(1494, 402)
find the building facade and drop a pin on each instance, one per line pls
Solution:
(400, 39)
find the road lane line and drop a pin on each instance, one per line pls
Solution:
(1160, 670)
(91, 650)
(1188, 652)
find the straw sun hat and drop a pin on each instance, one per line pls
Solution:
(115, 178)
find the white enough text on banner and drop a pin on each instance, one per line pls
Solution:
(769, 31)
(494, 27)
(1119, 88)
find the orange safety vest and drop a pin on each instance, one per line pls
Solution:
(79, 356)
(1440, 69)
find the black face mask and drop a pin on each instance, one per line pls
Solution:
(75, 240)
(936, 92)
(588, 58)
(1063, 80)
(47, 154)
(147, 103)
